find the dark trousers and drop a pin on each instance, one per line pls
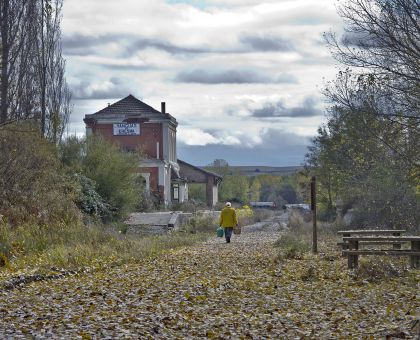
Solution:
(228, 233)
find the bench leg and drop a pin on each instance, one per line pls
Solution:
(344, 247)
(414, 259)
(353, 261)
(414, 262)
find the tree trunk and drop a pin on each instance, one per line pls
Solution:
(4, 60)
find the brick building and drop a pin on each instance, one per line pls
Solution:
(135, 125)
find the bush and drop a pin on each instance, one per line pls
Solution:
(113, 172)
(189, 206)
(297, 224)
(106, 170)
(197, 192)
(245, 215)
(379, 269)
(261, 215)
(292, 246)
(89, 201)
(33, 186)
(201, 223)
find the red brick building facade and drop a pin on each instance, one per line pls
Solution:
(135, 125)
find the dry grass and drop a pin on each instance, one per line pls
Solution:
(40, 248)
(201, 223)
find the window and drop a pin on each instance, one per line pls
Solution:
(175, 190)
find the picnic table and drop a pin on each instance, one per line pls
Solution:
(354, 252)
(371, 232)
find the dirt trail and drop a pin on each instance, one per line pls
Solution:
(214, 289)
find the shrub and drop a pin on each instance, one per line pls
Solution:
(379, 269)
(292, 246)
(201, 223)
(197, 192)
(113, 172)
(89, 201)
(189, 206)
(261, 215)
(33, 186)
(297, 224)
(110, 185)
(245, 215)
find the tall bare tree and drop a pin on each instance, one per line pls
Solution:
(32, 81)
(382, 38)
(381, 46)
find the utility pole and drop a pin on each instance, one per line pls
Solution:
(313, 209)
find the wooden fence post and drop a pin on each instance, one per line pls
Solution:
(313, 208)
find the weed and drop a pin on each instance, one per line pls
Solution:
(379, 269)
(78, 246)
(201, 223)
(261, 215)
(292, 246)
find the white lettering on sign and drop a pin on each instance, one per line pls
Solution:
(126, 129)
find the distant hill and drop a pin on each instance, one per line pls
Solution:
(267, 170)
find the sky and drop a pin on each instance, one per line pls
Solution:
(243, 78)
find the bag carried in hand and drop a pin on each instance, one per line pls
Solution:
(219, 232)
(237, 230)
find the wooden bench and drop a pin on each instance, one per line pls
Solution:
(353, 252)
(371, 232)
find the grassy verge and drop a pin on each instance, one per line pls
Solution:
(42, 249)
(296, 244)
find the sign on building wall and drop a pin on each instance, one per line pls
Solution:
(125, 129)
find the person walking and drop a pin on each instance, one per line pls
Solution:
(228, 220)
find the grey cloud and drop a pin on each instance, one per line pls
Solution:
(84, 90)
(267, 43)
(141, 44)
(278, 148)
(272, 138)
(279, 110)
(231, 76)
(221, 77)
(79, 44)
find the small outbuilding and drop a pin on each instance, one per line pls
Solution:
(194, 174)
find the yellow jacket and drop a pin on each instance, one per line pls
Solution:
(228, 218)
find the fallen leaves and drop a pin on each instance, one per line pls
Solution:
(215, 290)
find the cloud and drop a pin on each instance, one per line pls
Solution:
(272, 139)
(231, 76)
(278, 109)
(142, 44)
(129, 44)
(276, 147)
(80, 44)
(267, 43)
(195, 136)
(110, 89)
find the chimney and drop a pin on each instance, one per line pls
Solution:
(163, 107)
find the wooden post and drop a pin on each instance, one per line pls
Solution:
(353, 260)
(415, 259)
(313, 208)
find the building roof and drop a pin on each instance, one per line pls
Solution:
(200, 169)
(131, 106)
